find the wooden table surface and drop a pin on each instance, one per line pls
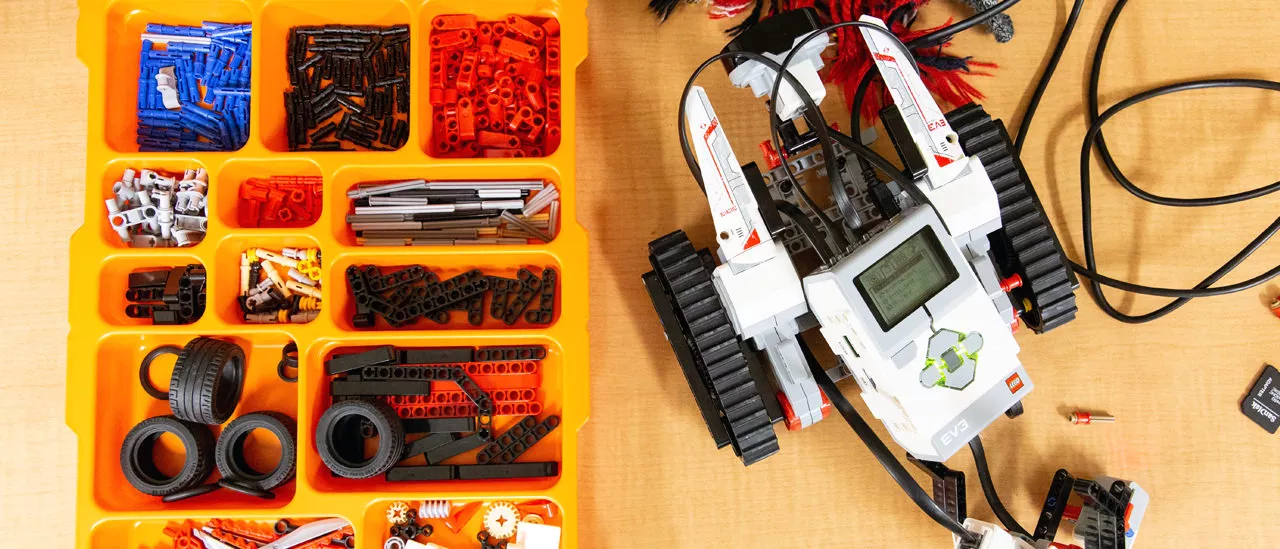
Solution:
(650, 474)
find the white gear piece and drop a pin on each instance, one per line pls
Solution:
(501, 520)
(398, 513)
(434, 509)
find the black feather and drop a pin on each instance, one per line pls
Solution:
(663, 8)
(751, 19)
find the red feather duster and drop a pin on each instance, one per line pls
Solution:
(944, 74)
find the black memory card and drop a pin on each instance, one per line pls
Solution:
(1262, 404)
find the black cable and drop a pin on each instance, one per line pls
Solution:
(837, 235)
(882, 452)
(1094, 138)
(989, 489)
(1049, 69)
(810, 232)
(1086, 199)
(944, 34)
(881, 163)
(818, 122)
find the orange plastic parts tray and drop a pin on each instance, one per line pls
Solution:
(104, 398)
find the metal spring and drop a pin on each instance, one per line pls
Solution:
(434, 509)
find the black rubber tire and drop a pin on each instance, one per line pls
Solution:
(144, 370)
(207, 381)
(140, 470)
(341, 447)
(288, 360)
(229, 452)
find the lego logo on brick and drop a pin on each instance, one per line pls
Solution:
(1014, 382)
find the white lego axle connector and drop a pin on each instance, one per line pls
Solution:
(993, 537)
(804, 67)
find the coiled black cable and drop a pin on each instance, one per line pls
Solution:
(1094, 138)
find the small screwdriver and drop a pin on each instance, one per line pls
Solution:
(1085, 418)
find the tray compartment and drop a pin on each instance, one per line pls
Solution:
(279, 16)
(115, 283)
(173, 166)
(375, 529)
(349, 177)
(550, 394)
(232, 209)
(445, 265)
(121, 404)
(226, 289)
(126, 20)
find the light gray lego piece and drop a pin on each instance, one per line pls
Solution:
(791, 373)
(811, 167)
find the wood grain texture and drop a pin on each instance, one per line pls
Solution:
(650, 476)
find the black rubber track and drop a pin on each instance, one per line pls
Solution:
(341, 447)
(207, 381)
(230, 456)
(1027, 244)
(720, 356)
(138, 464)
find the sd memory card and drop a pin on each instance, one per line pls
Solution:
(1262, 404)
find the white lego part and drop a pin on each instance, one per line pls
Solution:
(307, 532)
(148, 212)
(304, 279)
(939, 146)
(146, 180)
(165, 216)
(766, 305)
(117, 219)
(128, 176)
(166, 84)
(933, 421)
(122, 220)
(124, 194)
(432, 508)
(537, 536)
(804, 66)
(208, 541)
(185, 238)
(740, 230)
(993, 537)
(191, 223)
(167, 38)
(190, 201)
(149, 179)
(1138, 504)
(190, 183)
(146, 241)
(968, 203)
